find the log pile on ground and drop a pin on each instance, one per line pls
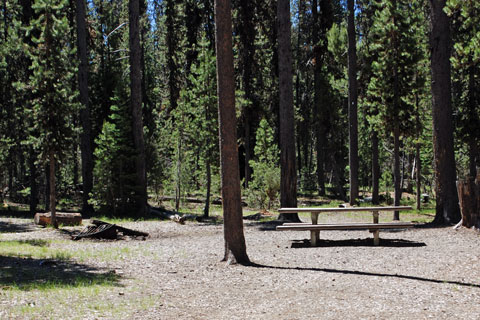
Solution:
(63, 218)
(104, 230)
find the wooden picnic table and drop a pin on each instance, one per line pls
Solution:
(315, 228)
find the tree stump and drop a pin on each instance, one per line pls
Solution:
(469, 197)
(64, 218)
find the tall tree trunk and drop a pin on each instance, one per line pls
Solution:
(396, 129)
(52, 199)
(418, 160)
(396, 169)
(171, 40)
(375, 169)
(247, 37)
(178, 187)
(320, 143)
(447, 210)
(418, 175)
(298, 100)
(136, 107)
(352, 103)
(33, 181)
(206, 209)
(47, 187)
(288, 180)
(475, 136)
(85, 116)
(319, 113)
(235, 248)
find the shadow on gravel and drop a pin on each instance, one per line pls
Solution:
(9, 213)
(267, 225)
(368, 242)
(16, 227)
(29, 273)
(369, 274)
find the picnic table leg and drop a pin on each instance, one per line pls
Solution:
(376, 237)
(314, 235)
(376, 233)
(375, 216)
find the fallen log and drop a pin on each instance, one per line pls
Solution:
(173, 215)
(166, 214)
(63, 218)
(217, 201)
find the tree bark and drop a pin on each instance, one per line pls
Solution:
(352, 103)
(171, 40)
(247, 37)
(64, 218)
(447, 210)
(206, 209)
(52, 189)
(288, 180)
(33, 181)
(375, 169)
(469, 196)
(47, 187)
(472, 114)
(320, 114)
(136, 107)
(86, 135)
(396, 169)
(235, 248)
(418, 160)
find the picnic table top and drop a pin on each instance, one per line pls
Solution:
(347, 209)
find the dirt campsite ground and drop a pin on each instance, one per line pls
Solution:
(177, 273)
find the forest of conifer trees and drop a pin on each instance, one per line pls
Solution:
(108, 105)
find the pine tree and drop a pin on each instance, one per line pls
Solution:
(265, 185)
(195, 128)
(466, 82)
(397, 56)
(52, 73)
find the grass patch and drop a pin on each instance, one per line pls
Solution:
(37, 265)
(36, 249)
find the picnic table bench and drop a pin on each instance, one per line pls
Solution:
(315, 228)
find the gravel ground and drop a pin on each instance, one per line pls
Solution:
(176, 273)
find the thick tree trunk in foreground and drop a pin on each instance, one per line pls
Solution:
(288, 182)
(235, 248)
(86, 147)
(469, 196)
(352, 103)
(447, 209)
(136, 106)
